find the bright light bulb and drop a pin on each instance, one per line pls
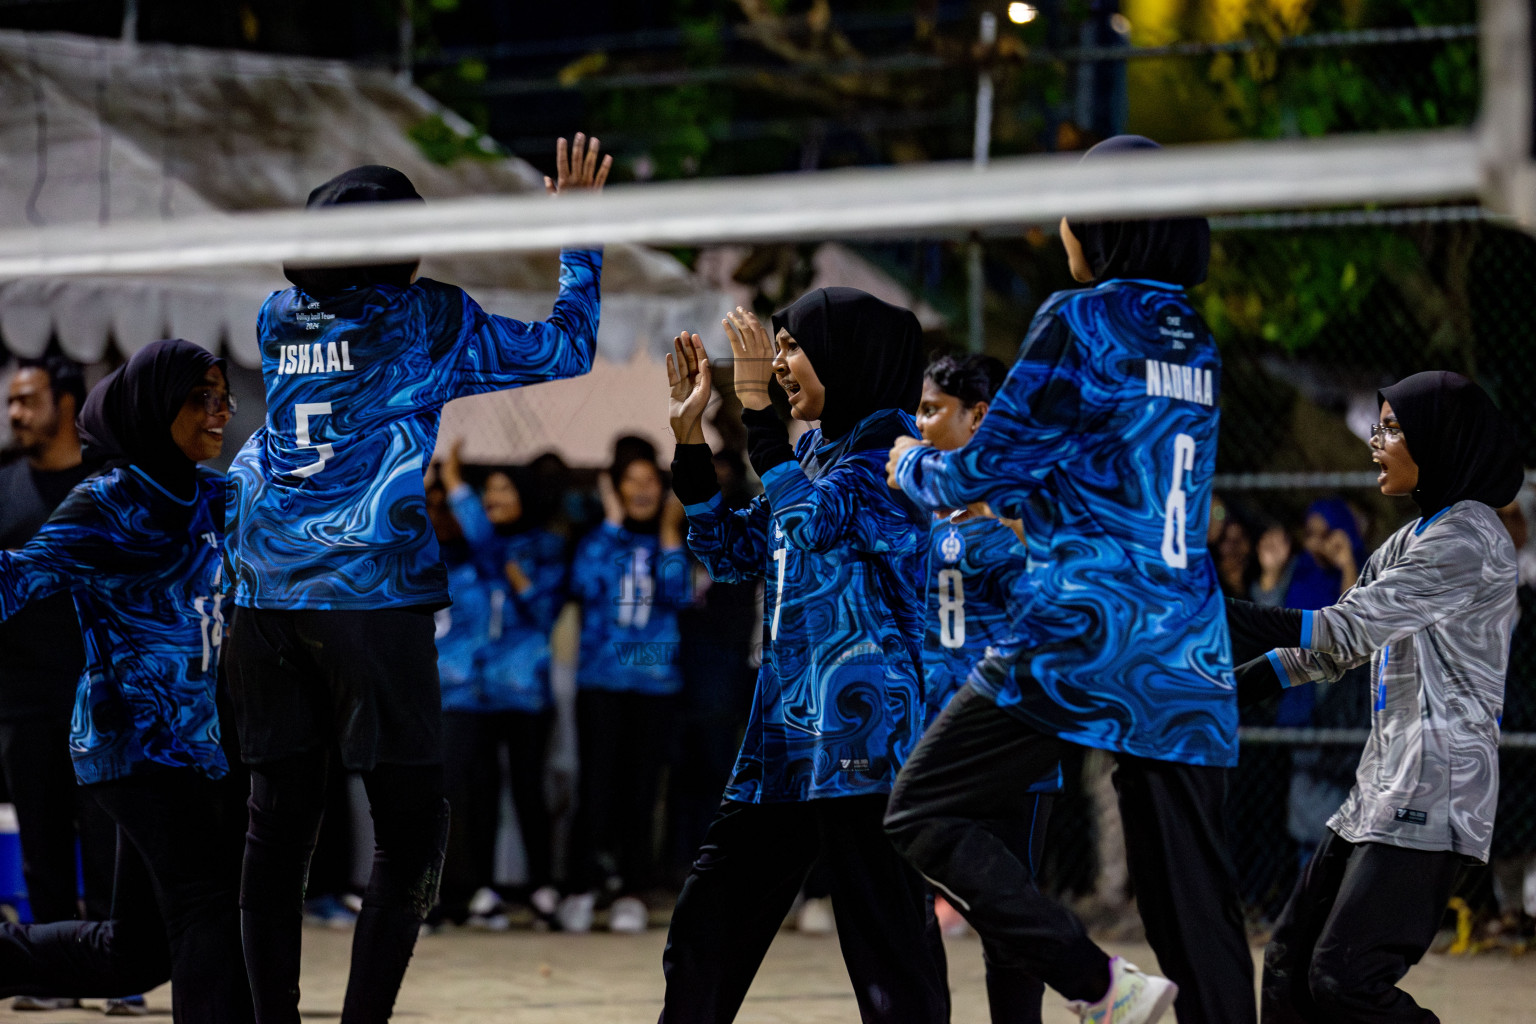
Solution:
(1022, 14)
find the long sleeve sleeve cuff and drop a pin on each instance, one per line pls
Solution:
(1258, 680)
(767, 439)
(1257, 630)
(693, 474)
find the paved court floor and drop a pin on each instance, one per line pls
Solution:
(466, 977)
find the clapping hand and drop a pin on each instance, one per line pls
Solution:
(692, 381)
(753, 351)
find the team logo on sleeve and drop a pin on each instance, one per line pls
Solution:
(952, 547)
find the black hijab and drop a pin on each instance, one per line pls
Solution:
(1175, 250)
(372, 183)
(128, 415)
(867, 353)
(1465, 448)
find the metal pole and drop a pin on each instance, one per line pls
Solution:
(405, 27)
(130, 21)
(981, 151)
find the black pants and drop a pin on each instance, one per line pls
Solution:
(622, 741)
(954, 814)
(745, 878)
(410, 826)
(1361, 916)
(472, 742)
(365, 684)
(174, 912)
(51, 812)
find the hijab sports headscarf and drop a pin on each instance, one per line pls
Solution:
(372, 183)
(1174, 250)
(867, 353)
(128, 415)
(1465, 449)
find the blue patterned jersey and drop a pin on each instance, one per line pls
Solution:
(327, 508)
(973, 568)
(145, 571)
(630, 589)
(509, 664)
(1103, 440)
(839, 702)
(461, 629)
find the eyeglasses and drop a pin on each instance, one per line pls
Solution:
(1382, 433)
(212, 402)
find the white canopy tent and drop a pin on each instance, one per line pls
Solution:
(98, 132)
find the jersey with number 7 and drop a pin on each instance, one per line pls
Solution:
(1103, 441)
(326, 506)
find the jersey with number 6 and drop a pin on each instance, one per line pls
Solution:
(1103, 441)
(327, 508)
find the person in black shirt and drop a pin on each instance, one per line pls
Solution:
(40, 649)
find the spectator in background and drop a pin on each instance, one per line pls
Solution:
(1276, 566)
(1234, 556)
(502, 702)
(631, 576)
(1331, 554)
(41, 656)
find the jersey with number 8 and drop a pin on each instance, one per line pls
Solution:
(327, 507)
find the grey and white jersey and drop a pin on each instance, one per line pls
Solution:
(1433, 611)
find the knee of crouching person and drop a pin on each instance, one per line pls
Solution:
(1334, 986)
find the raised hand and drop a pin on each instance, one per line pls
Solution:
(578, 170)
(692, 382)
(754, 352)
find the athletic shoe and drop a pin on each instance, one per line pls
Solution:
(815, 917)
(628, 916)
(128, 1006)
(575, 912)
(328, 912)
(545, 900)
(488, 922)
(44, 1003)
(484, 902)
(1133, 997)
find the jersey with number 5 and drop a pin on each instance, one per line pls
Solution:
(1103, 441)
(327, 508)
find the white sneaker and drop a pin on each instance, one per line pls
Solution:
(484, 902)
(545, 900)
(1133, 997)
(575, 912)
(628, 916)
(815, 917)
